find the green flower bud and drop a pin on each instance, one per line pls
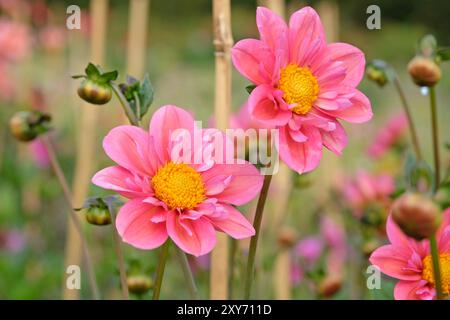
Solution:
(139, 283)
(377, 71)
(95, 92)
(98, 215)
(27, 125)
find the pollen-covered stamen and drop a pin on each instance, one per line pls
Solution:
(179, 186)
(444, 263)
(299, 86)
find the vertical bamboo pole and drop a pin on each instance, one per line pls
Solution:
(137, 39)
(222, 43)
(86, 140)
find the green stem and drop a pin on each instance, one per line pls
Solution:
(119, 254)
(125, 105)
(412, 128)
(182, 260)
(231, 268)
(68, 197)
(435, 133)
(138, 107)
(254, 240)
(436, 267)
(160, 270)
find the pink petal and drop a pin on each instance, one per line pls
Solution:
(305, 34)
(128, 146)
(353, 59)
(272, 28)
(120, 180)
(360, 111)
(393, 261)
(244, 184)
(395, 234)
(165, 121)
(135, 226)
(196, 237)
(335, 140)
(234, 223)
(407, 290)
(265, 107)
(253, 59)
(301, 156)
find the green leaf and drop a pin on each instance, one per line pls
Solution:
(78, 76)
(92, 71)
(443, 54)
(146, 94)
(250, 88)
(417, 172)
(109, 76)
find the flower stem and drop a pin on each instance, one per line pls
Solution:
(435, 133)
(160, 271)
(119, 254)
(182, 260)
(68, 197)
(125, 105)
(254, 240)
(412, 128)
(436, 267)
(231, 269)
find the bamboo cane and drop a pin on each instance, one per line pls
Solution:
(86, 140)
(222, 44)
(137, 38)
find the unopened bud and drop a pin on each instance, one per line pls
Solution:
(95, 92)
(98, 215)
(376, 71)
(417, 215)
(139, 284)
(330, 286)
(27, 125)
(424, 71)
(287, 237)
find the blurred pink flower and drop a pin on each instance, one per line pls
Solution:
(169, 197)
(39, 153)
(15, 40)
(297, 274)
(366, 189)
(15, 8)
(388, 135)
(11, 241)
(52, 38)
(303, 85)
(410, 261)
(310, 249)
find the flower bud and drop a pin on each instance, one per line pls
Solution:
(95, 92)
(139, 284)
(287, 237)
(416, 215)
(329, 286)
(27, 125)
(376, 71)
(424, 71)
(98, 215)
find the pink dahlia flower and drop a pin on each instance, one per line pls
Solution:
(366, 189)
(303, 85)
(171, 198)
(410, 261)
(389, 134)
(15, 40)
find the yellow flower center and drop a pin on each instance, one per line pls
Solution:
(178, 186)
(444, 263)
(300, 86)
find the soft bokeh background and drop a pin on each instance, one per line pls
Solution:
(180, 62)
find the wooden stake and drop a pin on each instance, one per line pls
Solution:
(86, 145)
(223, 42)
(137, 39)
